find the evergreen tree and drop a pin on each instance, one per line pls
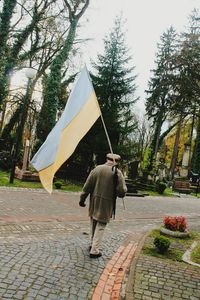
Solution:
(192, 77)
(160, 88)
(186, 64)
(115, 87)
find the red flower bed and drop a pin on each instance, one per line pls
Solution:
(175, 223)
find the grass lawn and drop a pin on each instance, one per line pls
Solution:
(66, 186)
(4, 181)
(195, 255)
(196, 195)
(177, 248)
(167, 193)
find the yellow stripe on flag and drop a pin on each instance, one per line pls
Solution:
(70, 138)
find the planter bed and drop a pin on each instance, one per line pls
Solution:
(172, 233)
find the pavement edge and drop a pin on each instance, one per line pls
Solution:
(129, 294)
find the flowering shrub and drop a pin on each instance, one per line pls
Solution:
(175, 223)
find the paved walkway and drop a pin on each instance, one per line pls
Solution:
(158, 279)
(44, 250)
(152, 278)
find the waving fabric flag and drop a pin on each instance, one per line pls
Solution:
(81, 112)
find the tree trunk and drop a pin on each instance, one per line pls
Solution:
(196, 154)
(155, 142)
(191, 135)
(52, 88)
(5, 20)
(48, 112)
(175, 150)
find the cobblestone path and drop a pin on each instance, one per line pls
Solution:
(44, 247)
(167, 280)
(47, 264)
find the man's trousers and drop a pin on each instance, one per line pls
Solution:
(96, 231)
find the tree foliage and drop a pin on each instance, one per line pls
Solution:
(32, 35)
(160, 88)
(18, 20)
(174, 92)
(52, 86)
(115, 87)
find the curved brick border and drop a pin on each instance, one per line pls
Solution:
(109, 285)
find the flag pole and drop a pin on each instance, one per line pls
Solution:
(106, 132)
(109, 143)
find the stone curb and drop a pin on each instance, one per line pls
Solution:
(174, 233)
(187, 255)
(129, 295)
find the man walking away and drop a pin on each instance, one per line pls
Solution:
(104, 183)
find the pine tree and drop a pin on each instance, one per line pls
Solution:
(186, 82)
(115, 87)
(192, 75)
(160, 88)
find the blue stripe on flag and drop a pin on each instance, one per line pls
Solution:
(81, 92)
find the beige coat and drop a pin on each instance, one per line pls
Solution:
(100, 186)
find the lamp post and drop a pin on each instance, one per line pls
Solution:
(30, 74)
(25, 157)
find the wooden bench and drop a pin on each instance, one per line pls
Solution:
(182, 186)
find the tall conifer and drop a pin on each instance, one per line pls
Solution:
(160, 88)
(115, 88)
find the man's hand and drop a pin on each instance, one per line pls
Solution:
(82, 203)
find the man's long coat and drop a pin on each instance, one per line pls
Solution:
(100, 186)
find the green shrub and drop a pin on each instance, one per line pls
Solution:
(160, 187)
(162, 244)
(58, 184)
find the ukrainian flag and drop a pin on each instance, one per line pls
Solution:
(81, 112)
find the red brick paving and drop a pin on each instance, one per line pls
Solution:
(110, 282)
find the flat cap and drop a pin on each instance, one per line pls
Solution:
(112, 156)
